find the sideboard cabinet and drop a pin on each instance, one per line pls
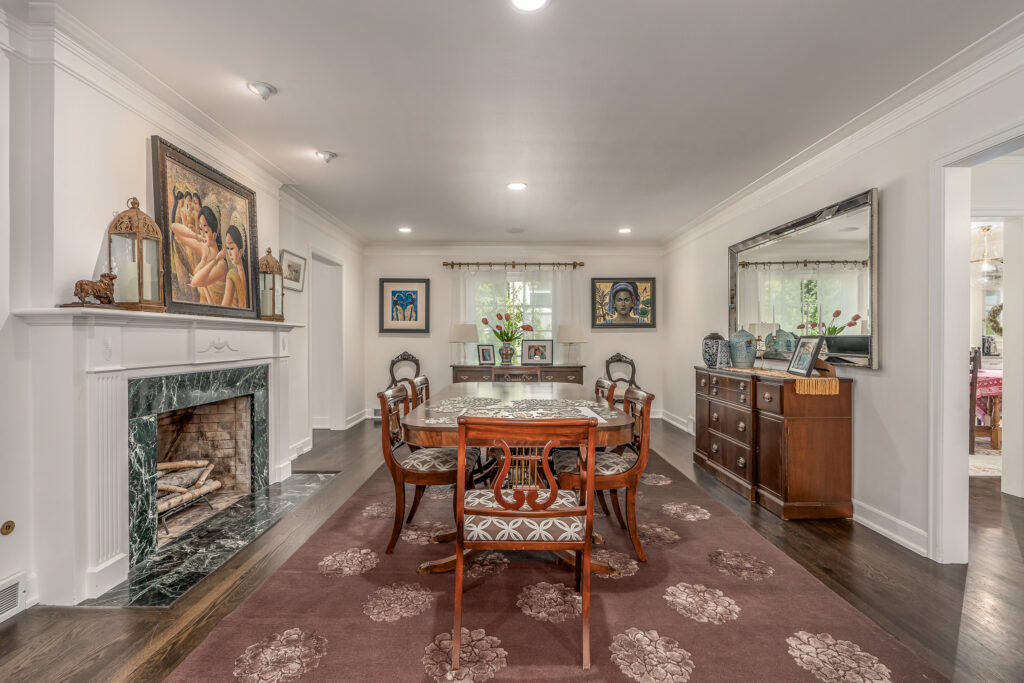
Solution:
(789, 452)
(567, 374)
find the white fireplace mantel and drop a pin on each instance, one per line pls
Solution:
(82, 359)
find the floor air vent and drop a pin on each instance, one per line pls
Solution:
(10, 596)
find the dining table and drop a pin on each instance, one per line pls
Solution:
(434, 423)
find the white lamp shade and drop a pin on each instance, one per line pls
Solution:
(463, 332)
(570, 334)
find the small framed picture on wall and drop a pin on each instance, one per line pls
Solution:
(293, 268)
(404, 306)
(485, 354)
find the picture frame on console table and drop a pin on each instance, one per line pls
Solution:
(805, 355)
(622, 303)
(210, 246)
(538, 352)
(404, 306)
(485, 354)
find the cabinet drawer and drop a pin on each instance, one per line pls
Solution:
(516, 375)
(738, 396)
(730, 455)
(769, 397)
(736, 423)
(474, 375)
(703, 382)
(725, 382)
(561, 375)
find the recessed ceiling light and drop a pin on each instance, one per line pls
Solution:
(514, 231)
(327, 157)
(624, 231)
(529, 5)
(405, 228)
(516, 187)
(264, 90)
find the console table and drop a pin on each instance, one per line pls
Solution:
(789, 452)
(567, 374)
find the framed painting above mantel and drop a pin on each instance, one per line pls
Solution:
(210, 249)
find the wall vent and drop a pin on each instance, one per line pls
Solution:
(11, 601)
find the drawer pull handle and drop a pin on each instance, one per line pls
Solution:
(714, 381)
(714, 448)
(463, 377)
(572, 377)
(741, 462)
(714, 391)
(549, 378)
(767, 397)
(741, 427)
(703, 382)
(743, 385)
(743, 398)
(714, 417)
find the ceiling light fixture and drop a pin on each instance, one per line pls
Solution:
(327, 157)
(624, 231)
(516, 187)
(529, 5)
(405, 228)
(264, 90)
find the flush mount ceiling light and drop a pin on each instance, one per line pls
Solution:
(516, 187)
(625, 231)
(264, 90)
(515, 231)
(405, 228)
(327, 157)
(529, 5)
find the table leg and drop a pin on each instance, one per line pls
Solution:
(997, 420)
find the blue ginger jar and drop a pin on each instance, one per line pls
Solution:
(780, 345)
(742, 349)
(709, 349)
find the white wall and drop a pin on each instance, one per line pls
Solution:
(896, 154)
(434, 351)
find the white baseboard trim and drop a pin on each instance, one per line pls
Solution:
(320, 422)
(676, 421)
(284, 470)
(353, 420)
(300, 447)
(98, 580)
(907, 535)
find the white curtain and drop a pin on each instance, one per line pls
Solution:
(771, 297)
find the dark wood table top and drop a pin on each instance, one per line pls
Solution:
(435, 422)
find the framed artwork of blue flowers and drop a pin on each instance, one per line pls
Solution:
(404, 306)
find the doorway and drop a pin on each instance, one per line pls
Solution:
(326, 369)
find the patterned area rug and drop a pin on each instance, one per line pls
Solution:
(714, 602)
(986, 461)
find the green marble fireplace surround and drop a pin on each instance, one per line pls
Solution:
(150, 396)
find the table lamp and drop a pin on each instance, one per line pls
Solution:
(571, 335)
(461, 334)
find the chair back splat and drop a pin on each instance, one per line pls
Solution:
(629, 380)
(403, 357)
(394, 404)
(419, 390)
(604, 391)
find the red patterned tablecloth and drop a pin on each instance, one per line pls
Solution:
(990, 383)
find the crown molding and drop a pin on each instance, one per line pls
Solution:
(992, 58)
(511, 252)
(322, 219)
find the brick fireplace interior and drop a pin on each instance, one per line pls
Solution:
(220, 433)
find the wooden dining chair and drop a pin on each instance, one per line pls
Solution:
(629, 380)
(419, 390)
(421, 467)
(403, 357)
(618, 469)
(524, 508)
(604, 391)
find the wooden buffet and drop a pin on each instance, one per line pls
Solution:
(789, 452)
(567, 374)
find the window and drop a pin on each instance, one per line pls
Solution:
(496, 292)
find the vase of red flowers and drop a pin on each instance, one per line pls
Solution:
(508, 329)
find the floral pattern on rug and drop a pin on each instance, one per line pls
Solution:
(741, 565)
(420, 533)
(648, 657)
(397, 600)
(488, 564)
(349, 562)
(440, 492)
(685, 512)
(281, 657)
(657, 534)
(835, 661)
(652, 479)
(380, 510)
(554, 602)
(480, 657)
(620, 562)
(700, 603)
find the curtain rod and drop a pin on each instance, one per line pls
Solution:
(748, 264)
(511, 264)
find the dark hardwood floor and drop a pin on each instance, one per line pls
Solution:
(967, 621)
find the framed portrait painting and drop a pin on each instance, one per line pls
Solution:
(404, 306)
(805, 355)
(538, 352)
(210, 247)
(622, 303)
(485, 354)
(293, 270)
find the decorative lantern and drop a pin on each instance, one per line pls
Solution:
(271, 288)
(134, 256)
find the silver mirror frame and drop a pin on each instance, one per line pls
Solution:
(868, 198)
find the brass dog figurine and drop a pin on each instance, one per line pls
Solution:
(102, 290)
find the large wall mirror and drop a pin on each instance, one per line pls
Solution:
(816, 275)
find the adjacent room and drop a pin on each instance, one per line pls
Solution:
(562, 340)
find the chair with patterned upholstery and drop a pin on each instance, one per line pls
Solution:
(524, 508)
(419, 390)
(421, 467)
(604, 391)
(614, 470)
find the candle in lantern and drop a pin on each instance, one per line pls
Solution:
(266, 303)
(131, 284)
(147, 281)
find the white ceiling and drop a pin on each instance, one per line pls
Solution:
(643, 113)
